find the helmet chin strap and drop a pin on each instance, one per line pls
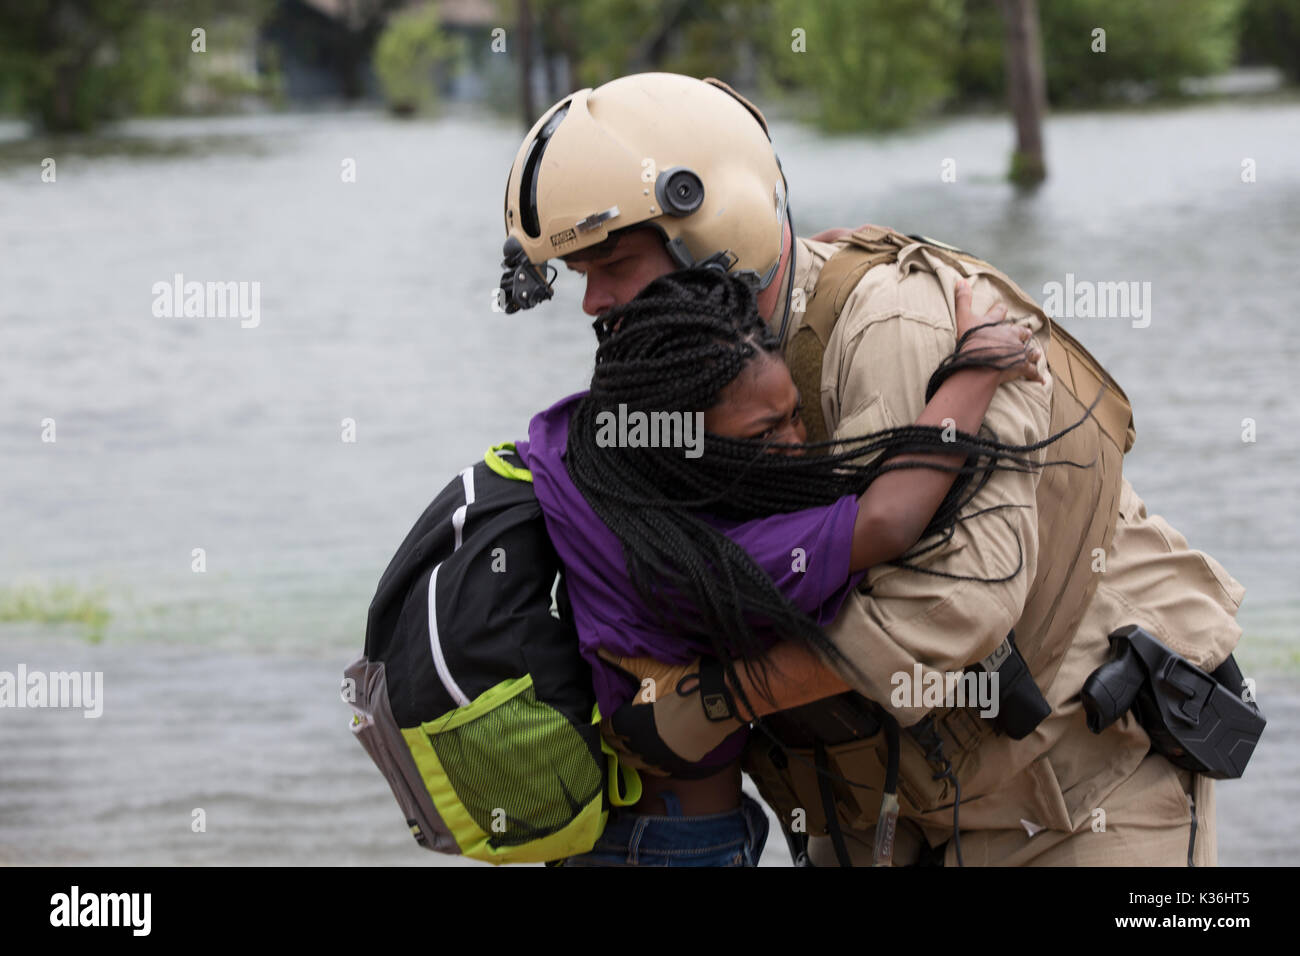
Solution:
(722, 260)
(725, 259)
(789, 279)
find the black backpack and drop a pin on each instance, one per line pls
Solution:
(472, 696)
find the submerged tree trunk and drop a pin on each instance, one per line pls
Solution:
(1026, 88)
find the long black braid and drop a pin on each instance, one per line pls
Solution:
(674, 348)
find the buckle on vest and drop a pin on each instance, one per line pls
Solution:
(716, 707)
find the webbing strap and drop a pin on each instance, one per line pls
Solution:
(1069, 362)
(803, 356)
(623, 783)
(837, 280)
(840, 275)
(1073, 366)
(504, 468)
(828, 805)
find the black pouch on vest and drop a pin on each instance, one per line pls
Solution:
(1200, 721)
(1021, 705)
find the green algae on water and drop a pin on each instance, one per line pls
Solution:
(56, 604)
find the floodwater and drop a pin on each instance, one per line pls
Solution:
(374, 305)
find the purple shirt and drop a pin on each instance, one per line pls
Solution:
(608, 610)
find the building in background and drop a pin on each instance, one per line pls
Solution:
(323, 48)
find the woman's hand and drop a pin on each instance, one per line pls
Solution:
(897, 507)
(993, 338)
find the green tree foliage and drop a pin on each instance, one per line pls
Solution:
(1156, 43)
(869, 64)
(1159, 42)
(1270, 33)
(609, 35)
(69, 64)
(864, 63)
(709, 40)
(57, 57)
(149, 72)
(409, 51)
(605, 39)
(980, 69)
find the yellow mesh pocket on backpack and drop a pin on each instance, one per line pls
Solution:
(519, 768)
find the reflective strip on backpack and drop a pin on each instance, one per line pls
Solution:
(439, 661)
(458, 518)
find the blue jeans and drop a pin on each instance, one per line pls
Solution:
(733, 838)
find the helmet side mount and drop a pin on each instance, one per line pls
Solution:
(522, 284)
(679, 191)
(595, 220)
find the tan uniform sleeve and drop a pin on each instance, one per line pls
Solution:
(1181, 595)
(896, 327)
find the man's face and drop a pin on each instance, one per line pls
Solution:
(616, 271)
(616, 274)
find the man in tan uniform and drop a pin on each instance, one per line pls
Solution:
(1075, 556)
(1033, 800)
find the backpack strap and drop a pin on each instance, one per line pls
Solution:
(871, 246)
(840, 275)
(1071, 363)
(504, 468)
(867, 248)
(622, 782)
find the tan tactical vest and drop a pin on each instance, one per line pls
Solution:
(1077, 507)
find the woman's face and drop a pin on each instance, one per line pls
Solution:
(762, 403)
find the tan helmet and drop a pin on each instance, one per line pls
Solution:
(691, 158)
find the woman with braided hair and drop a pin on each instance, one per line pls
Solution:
(744, 545)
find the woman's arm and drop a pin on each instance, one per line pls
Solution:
(666, 727)
(894, 511)
(673, 720)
